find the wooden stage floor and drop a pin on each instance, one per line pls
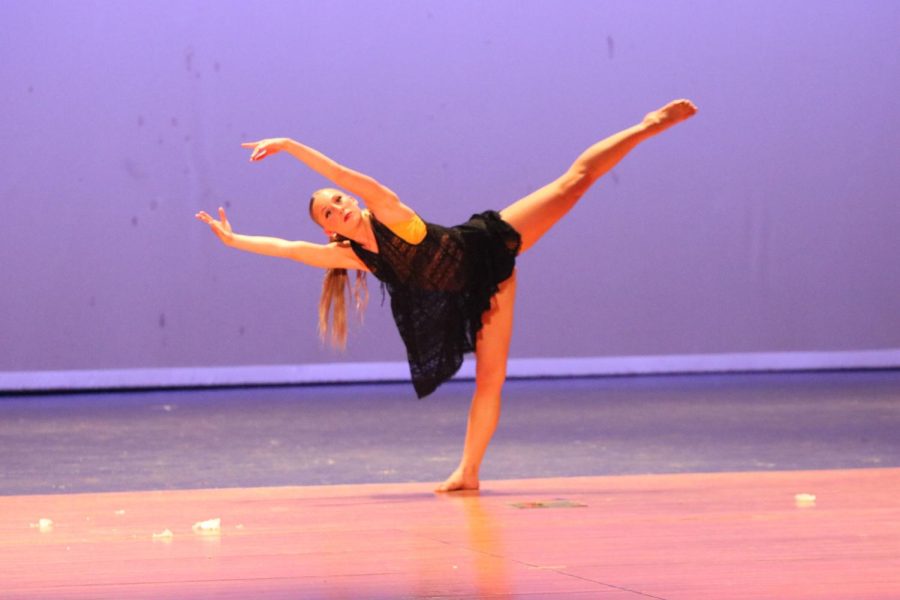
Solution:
(678, 536)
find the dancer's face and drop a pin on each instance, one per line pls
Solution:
(335, 212)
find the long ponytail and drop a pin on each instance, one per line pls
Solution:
(334, 297)
(333, 302)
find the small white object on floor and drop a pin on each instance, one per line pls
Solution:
(43, 525)
(209, 526)
(805, 500)
(165, 534)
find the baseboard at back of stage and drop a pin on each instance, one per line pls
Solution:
(519, 368)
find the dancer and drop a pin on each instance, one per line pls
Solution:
(452, 289)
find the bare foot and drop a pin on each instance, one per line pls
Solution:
(459, 480)
(674, 112)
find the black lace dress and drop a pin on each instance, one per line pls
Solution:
(441, 287)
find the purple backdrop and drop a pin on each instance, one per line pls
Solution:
(768, 223)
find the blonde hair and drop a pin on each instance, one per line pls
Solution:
(333, 302)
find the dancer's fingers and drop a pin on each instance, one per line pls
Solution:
(258, 151)
(263, 148)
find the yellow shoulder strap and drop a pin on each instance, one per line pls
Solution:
(411, 231)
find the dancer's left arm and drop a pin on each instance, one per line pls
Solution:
(380, 199)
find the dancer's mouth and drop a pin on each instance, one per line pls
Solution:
(347, 216)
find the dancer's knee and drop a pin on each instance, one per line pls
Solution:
(489, 381)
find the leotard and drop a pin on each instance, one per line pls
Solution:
(440, 287)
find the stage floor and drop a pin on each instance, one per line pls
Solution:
(672, 536)
(317, 435)
(679, 487)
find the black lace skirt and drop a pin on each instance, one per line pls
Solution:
(441, 288)
(492, 246)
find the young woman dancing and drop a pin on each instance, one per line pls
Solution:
(452, 289)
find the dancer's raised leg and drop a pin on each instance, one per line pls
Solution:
(491, 351)
(533, 215)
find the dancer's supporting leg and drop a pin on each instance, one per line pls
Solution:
(536, 213)
(491, 350)
(532, 217)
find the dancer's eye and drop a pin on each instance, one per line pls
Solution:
(337, 199)
(327, 213)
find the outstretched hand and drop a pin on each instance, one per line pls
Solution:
(264, 148)
(221, 228)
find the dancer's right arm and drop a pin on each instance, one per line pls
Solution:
(326, 256)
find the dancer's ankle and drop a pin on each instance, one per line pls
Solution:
(468, 470)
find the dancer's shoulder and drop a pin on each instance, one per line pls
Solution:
(411, 230)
